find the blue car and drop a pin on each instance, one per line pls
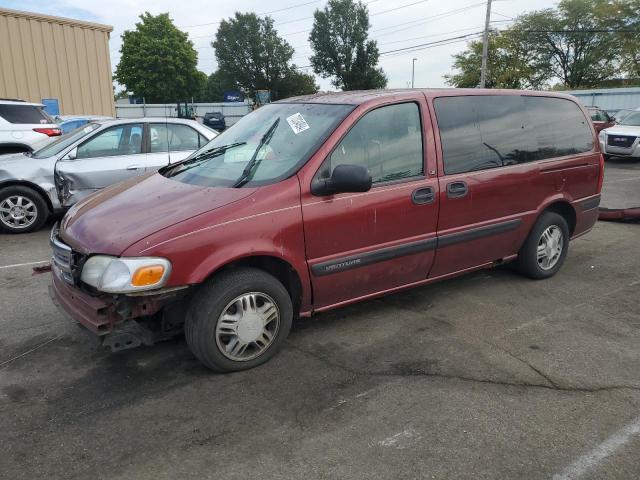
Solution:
(69, 123)
(214, 120)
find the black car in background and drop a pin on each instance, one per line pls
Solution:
(215, 120)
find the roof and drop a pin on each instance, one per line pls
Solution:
(356, 97)
(8, 12)
(19, 102)
(152, 119)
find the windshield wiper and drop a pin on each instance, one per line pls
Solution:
(244, 177)
(192, 162)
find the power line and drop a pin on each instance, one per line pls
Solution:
(459, 37)
(416, 38)
(259, 14)
(423, 46)
(309, 18)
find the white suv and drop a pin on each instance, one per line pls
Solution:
(24, 126)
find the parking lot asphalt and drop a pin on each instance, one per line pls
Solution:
(486, 376)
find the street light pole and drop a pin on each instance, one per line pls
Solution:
(413, 70)
(485, 46)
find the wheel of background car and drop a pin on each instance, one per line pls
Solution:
(238, 319)
(545, 249)
(22, 209)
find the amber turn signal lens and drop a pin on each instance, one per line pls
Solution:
(149, 275)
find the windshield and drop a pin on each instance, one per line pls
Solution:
(58, 145)
(265, 146)
(631, 119)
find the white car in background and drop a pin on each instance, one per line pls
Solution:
(623, 139)
(34, 185)
(25, 127)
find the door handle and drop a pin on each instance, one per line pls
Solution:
(134, 167)
(457, 190)
(423, 196)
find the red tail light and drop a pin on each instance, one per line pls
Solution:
(50, 132)
(601, 176)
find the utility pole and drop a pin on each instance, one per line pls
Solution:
(413, 70)
(485, 46)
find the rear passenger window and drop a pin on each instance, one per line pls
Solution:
(481, 132)
(387, 141)
(173, 137)
(560, 126)
(24, 114)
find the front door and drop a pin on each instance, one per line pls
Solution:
(108, 157)
(360, 244)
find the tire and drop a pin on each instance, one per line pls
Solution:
(528, 263)
(34, 209)
(213, 314)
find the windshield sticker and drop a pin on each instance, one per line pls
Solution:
(297, 123)
(88, 129)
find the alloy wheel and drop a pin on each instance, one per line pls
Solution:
(18, 212)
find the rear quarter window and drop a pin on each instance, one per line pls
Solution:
(24, 114)
(490, 131)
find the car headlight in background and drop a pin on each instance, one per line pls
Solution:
(602, 136)
(125, 275)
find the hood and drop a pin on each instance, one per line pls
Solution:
(114, 218)
(623, 130)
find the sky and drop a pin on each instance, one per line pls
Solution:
(395, 25)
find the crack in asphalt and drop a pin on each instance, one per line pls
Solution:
(421, 373)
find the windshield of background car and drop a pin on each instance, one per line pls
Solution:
(58, 145)
(632, 119)
(289, 133)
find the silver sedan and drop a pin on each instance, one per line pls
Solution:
(51, 179)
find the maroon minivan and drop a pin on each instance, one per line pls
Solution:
(316, 202)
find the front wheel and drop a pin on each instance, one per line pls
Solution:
(545, 249)
(238, 320)
(22, 209)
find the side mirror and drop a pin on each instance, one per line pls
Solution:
(73, 153)
(344, 178)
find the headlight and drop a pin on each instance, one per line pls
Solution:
(124, 275)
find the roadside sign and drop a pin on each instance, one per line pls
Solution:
(232, 96)
(51, 106)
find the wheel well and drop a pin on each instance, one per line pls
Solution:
(277, 267)
(14, 148)
(32, 186)
(566, 210)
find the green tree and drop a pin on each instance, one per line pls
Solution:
(339, 40)
(624, 17)
(253, 57)
(216, 85)
(297, 83)
(158, 61)
(571, 43)
(579, 44)
(507, 65)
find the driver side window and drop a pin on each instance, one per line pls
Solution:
(387, 141)
(120, 140)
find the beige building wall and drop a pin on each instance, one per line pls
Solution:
(52, 57)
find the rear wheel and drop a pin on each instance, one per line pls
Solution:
(238, 320)
(22, 209)
(545, 250)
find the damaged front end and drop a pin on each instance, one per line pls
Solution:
(121, 321)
